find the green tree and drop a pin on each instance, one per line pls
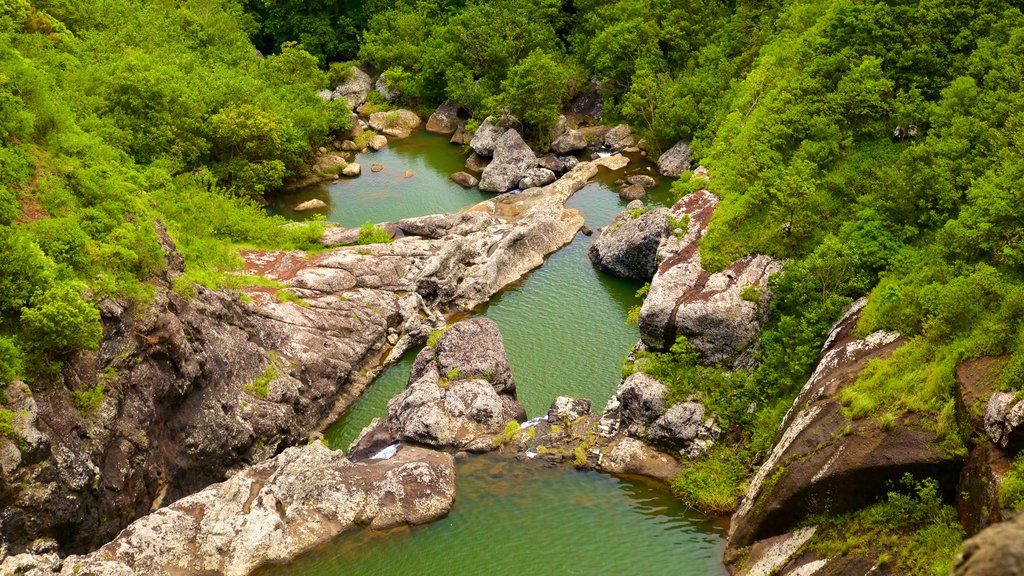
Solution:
(534, 89)
(59, 319)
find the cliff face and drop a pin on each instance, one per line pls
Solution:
(194, 388)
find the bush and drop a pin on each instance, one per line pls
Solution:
(369, 233)
(60, 320)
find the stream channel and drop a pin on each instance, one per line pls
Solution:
(565, 333)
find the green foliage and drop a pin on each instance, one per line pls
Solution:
(6, 424)
(715, 483)
(286, 296)
(434, 336)
(918, 532)
(369, 233)
(534, 89)
(1011, 491)
(59, 319)
(89, 400)
(12, 364)
(260, 386)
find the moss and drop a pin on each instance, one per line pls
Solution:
(261, 385)
(506, 436)
(6, 424)
(751, 293)
(363, 140)
(88, 400)
(435, 335)
(286, 296)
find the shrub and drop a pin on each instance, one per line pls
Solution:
(88, 400)
(60, 320)
(369, 233)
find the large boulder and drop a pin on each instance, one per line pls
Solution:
(354, 90)
(628, 246)
(485, 139)
(639, 410)
(996, 550)
(460, 394)
(675, 160)
(381, 86)
(444, 120)
(277, 510)
(464, 179)
(536, 177)
(1004, 421)
(619, 138)
(513, 158)
(396, 123)
(824, 462)
(568, 142)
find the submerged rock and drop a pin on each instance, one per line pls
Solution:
(633, 192)
(675, 160)
(513, 158)
(465, 180)
(628, 246)
(277, 510)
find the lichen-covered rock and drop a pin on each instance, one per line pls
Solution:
(675, 160)
(474, 349)
(619, 137)
(464, 179)
(552, 163)
(642, 180)
(512, 159)
(444, 120)
(353, 90)
(628, 246)
(996, 550)
(568, 142)
(823, 462)
(485, 139)
(536, 177)
(568, 409)
(1004, 421)
(276, 511)
(396, 123)
(613, 162)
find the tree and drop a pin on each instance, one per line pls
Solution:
(59, 319)
(534, 89)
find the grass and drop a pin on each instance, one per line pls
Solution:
(286, 296)
(260, 387)
(715, 483)
(369, 233)
(435, 335)
(1011, 492)
(917, 533)
(88, 400)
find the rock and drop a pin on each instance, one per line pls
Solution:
(277, 510)
(408, 174)
(439, 226)
(377, 142)
(475, 349)
(595, 134)
(397, 123)
(463, 179)
(381, 86)
(588, 104)
(977, 494)
(701, 173)
(824, 462)
(314, 204)
(675, 160)
(568, 142)
(355, 89)
(444, 120)
(642, 180)
(376, 167)
(485, 139)
(349, 146)
(772, 555)
(536, 177)
(638, 410)
(460, 136)
(552, 163)
(512, 159)
(614, 162)
(476, 162)
(633, 192)
(1004, 421)
(635, 205)
(352, 169)
(619, 137)
(995, 550)
(568, 409)
(569, 161)
(628, 246)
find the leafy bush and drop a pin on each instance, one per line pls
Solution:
(89, 400)
(369, 233)
(59, 319)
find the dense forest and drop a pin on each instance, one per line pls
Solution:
(873, 144)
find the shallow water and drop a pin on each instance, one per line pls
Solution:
(527, 518)
(565, 334)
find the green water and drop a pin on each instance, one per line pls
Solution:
(517, 518)
(390, 195)
(565, 334)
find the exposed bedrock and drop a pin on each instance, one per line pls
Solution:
(825, 463)
(270, 513)
(199, 385)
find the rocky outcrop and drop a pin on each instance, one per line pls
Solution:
(464, 179)
(619, 138)
(995, 550)
(486, 137)
(277, 510)
(675, 160)
(824, 462)
(198, 386)
(628, 246)
(639, 410)
(396, 123)
(444, 120)
(460, 395)
(536, 177)
(353, 90)
(1004, 421)
(568, 142)
(513, 158)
